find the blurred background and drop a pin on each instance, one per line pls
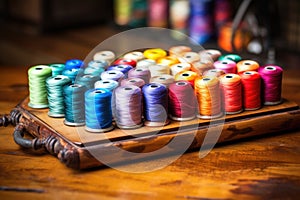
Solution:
(48, 31)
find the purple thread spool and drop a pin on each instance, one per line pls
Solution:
(227, 66)
(140, 73)
(271, 84)
(133, 81)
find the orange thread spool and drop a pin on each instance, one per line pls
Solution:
(231, 87)
(168, 60)
(208, 95)
(186, 76)
(247, 65)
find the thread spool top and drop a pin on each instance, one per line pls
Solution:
(125, 61)
(108, 56)
(249, 75)
(233, 57)
(98, 93)
(112, 75)
(73, 63)
(74, 88)
(213, 72)
(58, 80)
(189, 57)
(164, 79)
(155, 53)
(135, 55)
(270, 70)
(98, 64)
(40, 70)
(224, 64)
(128, 90)
(145, 63)
(211, 54)
(247, 65)
(106, 84)
(186, 75)
(230, 78)
(206, 81)
(154, 88)
(179, 51)
(133, 81)
(168, 60)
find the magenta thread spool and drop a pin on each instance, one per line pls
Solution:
(271, 84)
(227, 66)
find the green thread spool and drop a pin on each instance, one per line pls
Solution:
(57, 68)
(37, 76)
(56, 102)
(234, 57)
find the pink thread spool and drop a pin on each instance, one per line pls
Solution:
(271, 84)
(227, 66)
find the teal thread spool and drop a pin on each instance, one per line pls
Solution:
(56, 102)
(57, 68)
(234, 57)
(71, 73)
(96, 67)
(87, 80)
(37, 76)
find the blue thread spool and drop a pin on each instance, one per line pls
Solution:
(87, 80)
(71, 73)
(122, 68)
(57, 68)
(155, 104)
(95, 67)
(73, 64)
(98, 113)
(74, 101)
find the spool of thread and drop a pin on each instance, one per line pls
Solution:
(140, 73)
(133, 81)
(122, 68)
(158, 13)
(168, 60)
(122, 12)
(57, 68)
(95, 67)
(208, 95)
(222, 13)
(214, 73)
(74, 105)
(158, 69)
(182, 102)
(128, 107)
(107, 56)
(179, 51)
(228, 66)
(155, 98)
(247, 65)
(201, 66)
(210, 54)
(155, 53)
(145, 64)
(189, 57)
(135, 55)
(164, 79)
(112, 75)
(37, 76)
(87, 80)
(231, 86)
(138, 15)
(271, 83)
(179, 15)
(234, 57)
(98, 113)
(179, 67)
(124, 61)
(186, 76)
(71, 73)
(251, 82)
(56, 102)
(73, 64)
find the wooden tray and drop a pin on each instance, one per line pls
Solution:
(74, 146)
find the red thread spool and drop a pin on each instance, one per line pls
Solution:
(247, 65)
(272, 80)
(227, 66)
(231, 87)
(123, 61)
(182, 101)
(251, 82)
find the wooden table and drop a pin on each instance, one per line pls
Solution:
(260, 168)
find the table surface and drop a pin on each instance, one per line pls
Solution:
(260, 168)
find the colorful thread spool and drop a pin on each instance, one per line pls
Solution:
(168, 60)
(157, 13)
(73, 64)
(95, 67)
(182, 102)
(155, 53)
(179, 51)
(54, 85)
(74, 101)
(186, 76)
(145, 64)
(234, 57)
(247, 65)
(124, 61)
(122, 68)
(158, 69)
(98, 113)
(133, 81)
(251, 81)
(71, 73)
(271, 81)
(164, 79)
(57, 68)
(201, 66)
(189, 57)
(214, 72)
(37, 76)
(87, 80)
(208, 95)
(128, 107)
(179, 67)
(155, 98)
(135, 55)
(140, 73)
(107, 56)
(210, 54)
(228, 66)
(231, 86)
(112, 75)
